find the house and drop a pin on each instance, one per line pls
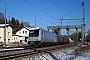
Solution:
(23, 35)
(16, 39)
(8, 33)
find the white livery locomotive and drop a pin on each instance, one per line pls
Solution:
(39, 36)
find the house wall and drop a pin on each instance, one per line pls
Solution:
(1, 34)
(23, 32)
(15, 38)
(8, 35)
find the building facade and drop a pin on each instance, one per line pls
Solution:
(8, 34)
(23, 35)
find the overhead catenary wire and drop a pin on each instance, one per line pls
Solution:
(72, 10)
(78, 13)
(19, 8)
(40, 10)
(59, 8)
(15, 14)
(48, 8)
(63, 7)
(27, 12)
(68, 10)
(22, 16)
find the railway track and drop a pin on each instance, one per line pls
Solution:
(15, 53)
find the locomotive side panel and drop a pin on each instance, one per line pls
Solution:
(49, 36)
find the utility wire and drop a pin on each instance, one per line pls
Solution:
(18, 8)
(39, 9)
(26, 12)
(78, 13)
(48, 8)
(63, 6)
(21, 16)
(58, 7)
(72, 11)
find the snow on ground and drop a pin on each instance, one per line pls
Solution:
(67, 54)
(85, 56)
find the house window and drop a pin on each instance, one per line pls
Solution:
(9, 41)
(8, 33)
(25, 32)
(20, 32)
(14, 38)
(0, 38)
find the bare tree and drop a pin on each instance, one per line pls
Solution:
(25, 23)
(1, 15)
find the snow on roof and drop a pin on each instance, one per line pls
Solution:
(34, 28)
(27, 28)
(3, 25)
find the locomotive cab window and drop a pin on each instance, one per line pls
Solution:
(34, 33)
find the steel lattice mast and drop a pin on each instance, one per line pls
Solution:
(82, 26)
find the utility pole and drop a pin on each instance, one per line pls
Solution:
(35, 21)
(61, 21)
(59, 30)
(76, 33)
(5, 23)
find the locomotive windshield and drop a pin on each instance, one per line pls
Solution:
(34, 33)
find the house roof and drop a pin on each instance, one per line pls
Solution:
(15, 31)
(35, 28)
(2, 25)
(17, 35)
(26, 28)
